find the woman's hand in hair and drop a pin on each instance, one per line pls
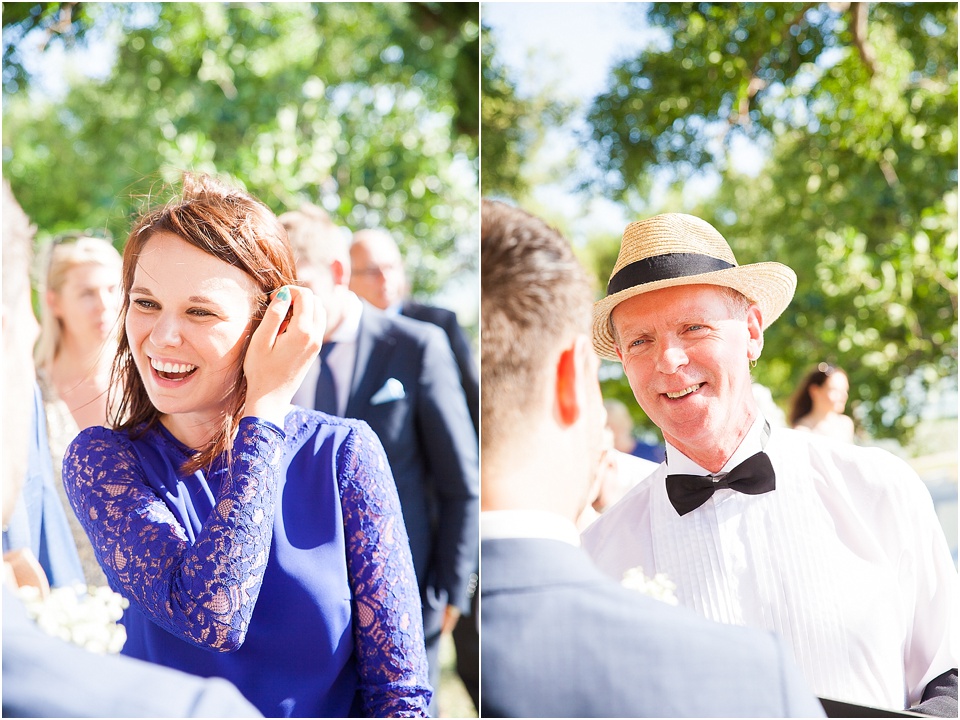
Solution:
(281, 351)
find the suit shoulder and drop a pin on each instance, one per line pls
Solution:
(429, 313)
(407, 329)
(612, 627)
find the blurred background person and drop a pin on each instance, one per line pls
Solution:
(77, 344)
(377, 275)
(400, 376)
(44, 676)
(618, 472)
(621, 423)
(820, 402)
(34, 519)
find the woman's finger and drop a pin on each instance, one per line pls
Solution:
(274, 317)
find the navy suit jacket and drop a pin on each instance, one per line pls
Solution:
(430, 443)
(562, 640)
(447, 321)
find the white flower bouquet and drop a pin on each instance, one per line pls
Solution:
(659, 587)
(84, 616)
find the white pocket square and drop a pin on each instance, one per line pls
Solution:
(392, 390)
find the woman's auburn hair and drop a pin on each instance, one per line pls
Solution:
(232, 226)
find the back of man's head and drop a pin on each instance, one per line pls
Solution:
(535, 297)
(315, 238)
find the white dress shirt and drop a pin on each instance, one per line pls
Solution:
(341, 359)
(845, 560)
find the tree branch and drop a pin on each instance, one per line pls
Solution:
(754, 83)
(859, 28)
(62, 25)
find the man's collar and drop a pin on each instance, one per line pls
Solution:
(751, 444)
(503, 524)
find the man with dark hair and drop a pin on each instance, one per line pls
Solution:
(560, 638)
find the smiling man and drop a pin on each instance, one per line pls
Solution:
(836, 548)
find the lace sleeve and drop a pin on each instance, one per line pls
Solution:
(203, 593)
(388, 630)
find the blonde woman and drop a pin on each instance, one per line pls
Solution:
(81, 307)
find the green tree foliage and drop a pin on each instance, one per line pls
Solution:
(366, 109)
(856, 106)
(513, 125)
(67, 22)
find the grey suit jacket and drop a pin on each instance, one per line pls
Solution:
(430, 443)
(559, 639)
(44, 676)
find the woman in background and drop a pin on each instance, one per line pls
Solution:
(256, 541)
(820, 402)
(77, 344)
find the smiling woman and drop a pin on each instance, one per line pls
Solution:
(213, 497)
(187, 325)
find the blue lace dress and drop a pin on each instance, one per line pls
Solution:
(287, 572)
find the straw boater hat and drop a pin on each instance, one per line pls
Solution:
(674, 249)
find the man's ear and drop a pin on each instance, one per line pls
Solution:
(571, 367)
(339, 273)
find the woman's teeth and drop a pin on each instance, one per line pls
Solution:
(687, 391)
(172, 368)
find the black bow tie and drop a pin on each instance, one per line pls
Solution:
(753, 476)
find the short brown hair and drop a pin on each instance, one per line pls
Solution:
(535, 294)
(315, 237)
(232, 226)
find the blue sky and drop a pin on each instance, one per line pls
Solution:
(567, 51)
(573, 44)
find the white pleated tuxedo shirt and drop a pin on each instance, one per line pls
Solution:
(845, 560)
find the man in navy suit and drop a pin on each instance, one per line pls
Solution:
(560, 638)
(399, 376)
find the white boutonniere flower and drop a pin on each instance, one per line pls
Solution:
(659, 586)
(85, 618)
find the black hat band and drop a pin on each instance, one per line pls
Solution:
(664, 267)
